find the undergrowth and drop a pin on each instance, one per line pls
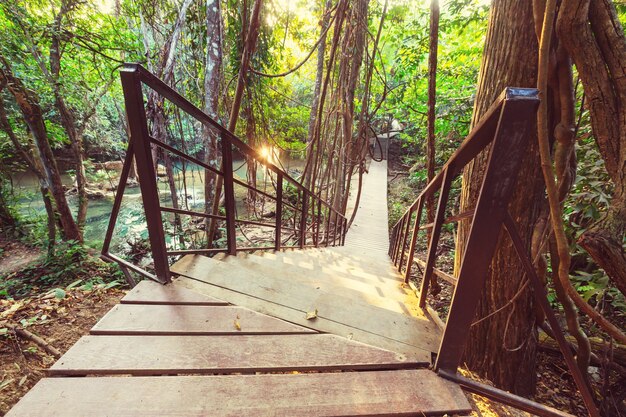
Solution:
(70, 264)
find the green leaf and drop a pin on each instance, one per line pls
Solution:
(73, 284)
(59, 293)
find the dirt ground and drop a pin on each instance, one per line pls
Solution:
(58, 321)
(15, 255)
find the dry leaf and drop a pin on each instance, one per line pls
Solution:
(237, 325)
(5, 383)
(11, 310)
(311, 315)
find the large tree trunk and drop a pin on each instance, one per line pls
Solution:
(502, 348)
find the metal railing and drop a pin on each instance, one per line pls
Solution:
(301, 217)
(506, 128)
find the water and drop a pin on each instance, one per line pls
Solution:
(131, 221)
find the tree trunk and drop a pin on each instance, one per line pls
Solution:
(33, 116)
(319, 78)
(6, 217)
(502, 348)
(212, 81)
(246, 56)
(349, 71)
(34, 163)
(68, 121)
(435, 288)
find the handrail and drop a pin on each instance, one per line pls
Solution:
(308, 211)
(505, 127)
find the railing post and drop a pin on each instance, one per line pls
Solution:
(279, 211)
(305, 213)
(396, 253)
(392, 241)
(435, 233)
(405, 236)
(229, 194)
(335, 229)
(327, 231)
(345, 231)
(416, 229)
(507, 150)
(139, 136)
(318, 222)
(119, 195)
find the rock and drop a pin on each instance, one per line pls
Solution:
(95, 194)
(112, 166)
(161, 171)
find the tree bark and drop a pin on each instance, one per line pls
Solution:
(502, 348)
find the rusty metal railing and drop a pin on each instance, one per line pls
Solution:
(302, 217)
(505, 127)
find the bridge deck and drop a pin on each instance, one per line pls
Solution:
(369, 233)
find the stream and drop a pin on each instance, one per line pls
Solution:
(131, 220)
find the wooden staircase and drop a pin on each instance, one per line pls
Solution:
(323, 290)
(189, 354)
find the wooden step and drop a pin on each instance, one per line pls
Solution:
(150, 292)
(155, 355)
(341, 257)
(376, 393)
(414, 354)
(134, 319)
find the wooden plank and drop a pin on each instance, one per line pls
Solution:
(155, 355)
(135, 319)
(150, 292)
(387, 294)
(403, 392)
(339, 257)
(418, 332)
(415, 354)
(368, 272)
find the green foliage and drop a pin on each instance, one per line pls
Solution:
(405, 54)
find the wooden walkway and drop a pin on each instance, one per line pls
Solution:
(369, 233)
(295, 333)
